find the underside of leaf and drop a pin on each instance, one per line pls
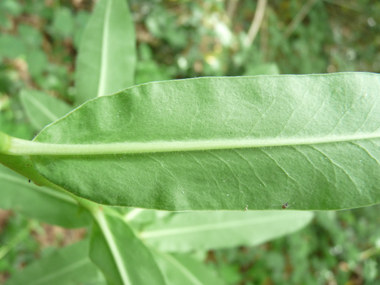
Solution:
(311, 141)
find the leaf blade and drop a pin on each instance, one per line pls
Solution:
(275, 108)
(214, 230)
(68, 265)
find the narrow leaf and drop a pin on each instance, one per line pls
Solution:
(69, 265)
(106, 60)
(122, 257)
(183, 269)
(41, 108)
(18, 194)
(311, 141)
(222, 229)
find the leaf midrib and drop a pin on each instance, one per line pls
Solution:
(191, 277)
(104, 53)
(42, 108)
(110, 239)
(23, 147)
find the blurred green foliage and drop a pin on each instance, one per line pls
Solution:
(22, 250)
(180, 39)
(332, 250)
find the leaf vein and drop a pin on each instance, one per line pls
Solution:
(340, 167)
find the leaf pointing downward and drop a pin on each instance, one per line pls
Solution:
(320, 132)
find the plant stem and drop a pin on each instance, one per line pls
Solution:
(231, 8)
(299, 17)
(24, 166)
(343, 5)
(256, 23)
(369, 253)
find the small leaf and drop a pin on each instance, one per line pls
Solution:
(63, 23)
(11, 46)
(37, 62)
(222, 229)
(69, 265)
(122, 257)
(107, 53)
(41, 108)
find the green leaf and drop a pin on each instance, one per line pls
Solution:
(183, 269)
(11, 7)
(223, 229)
(27, 198)
(69, 265)
(31, 36)
(11, 46)
(41, 108)
(107, 55)
(122, 257)
(63, 23)
(311, 141)
(37, 62)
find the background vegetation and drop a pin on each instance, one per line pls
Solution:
(181, 39)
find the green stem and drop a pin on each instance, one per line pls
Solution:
(300, 17)
(24, 166)
(369, 253)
